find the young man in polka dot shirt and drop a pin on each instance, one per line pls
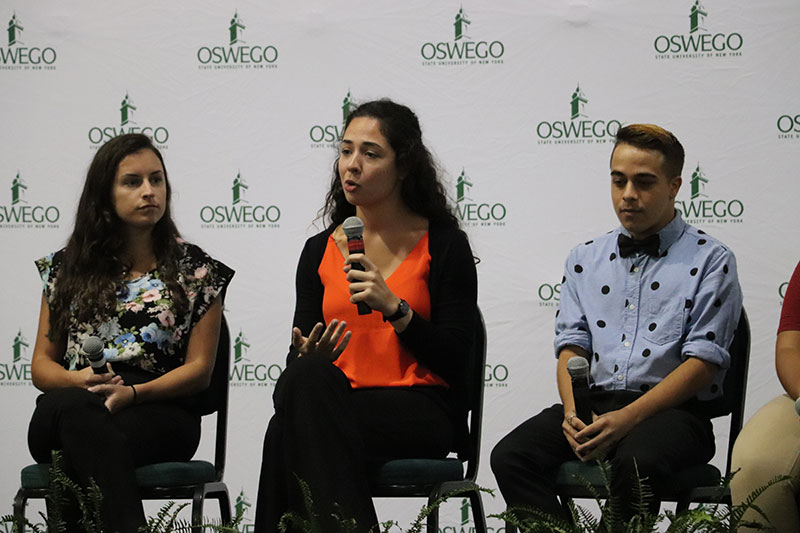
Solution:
(652, 306)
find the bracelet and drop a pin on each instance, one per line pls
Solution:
(134, 393)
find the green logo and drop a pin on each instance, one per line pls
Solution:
(698, 183)
(245, 373)
(549, 294)
(463, 185)
(18, 189)
(462, 50)
(578, 104)
(125, 110)
(699, 42)
(782, 290)
(15, 56)
(702, 209)
(238, 188)
(465, 508)
(579, 129)
(697, 17)
(240, 214)
(238, 55)
(461, 24)
(495, 376)
(14, 29)
(329, 135)
(20, 215)
(18, 372)
(789, 127)
(235, 27)
(476, 213)
(99, 135)
(240, 346)
(241, 507)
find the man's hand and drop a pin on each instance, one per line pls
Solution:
(596, 439)
(571, 426)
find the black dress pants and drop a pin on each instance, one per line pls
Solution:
(107, 448)
(329, 436)
(526, 461)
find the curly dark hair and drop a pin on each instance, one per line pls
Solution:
(421, 190)
(92, 269)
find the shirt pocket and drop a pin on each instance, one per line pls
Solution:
(664, 321)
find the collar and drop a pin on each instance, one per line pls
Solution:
(668, 235)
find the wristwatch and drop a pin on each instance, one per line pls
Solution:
(402, 310)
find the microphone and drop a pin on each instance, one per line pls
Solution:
(578, 368)
(93, 347)
(354, 230)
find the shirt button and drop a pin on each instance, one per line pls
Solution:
(636, 269)
(632, 307)
(619, 377)
(627, 344)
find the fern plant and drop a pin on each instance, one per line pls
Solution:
(706, 518)
(63, 490)
(309, 521)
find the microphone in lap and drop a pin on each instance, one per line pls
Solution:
(93, 348)
(578, 368)
(354, 230)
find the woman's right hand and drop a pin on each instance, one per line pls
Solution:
(327, 341)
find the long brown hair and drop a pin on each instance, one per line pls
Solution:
(91, 270)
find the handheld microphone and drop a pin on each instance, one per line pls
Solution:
(578, 368)
(354, 230)
(93, 347)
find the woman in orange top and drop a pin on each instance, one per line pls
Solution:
(362, 389)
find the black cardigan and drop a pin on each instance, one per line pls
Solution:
(440, 343)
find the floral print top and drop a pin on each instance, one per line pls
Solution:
(144, 332)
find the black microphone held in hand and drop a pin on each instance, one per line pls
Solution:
(578, 368)
(93, 348)
(354, 230)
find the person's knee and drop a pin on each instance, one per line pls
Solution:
(512, 455)
(308, 376)
(752, 462)
(70, 399)
(500, 459)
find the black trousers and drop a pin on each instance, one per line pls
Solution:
(526, 461)
(330, 436)
(107, 448)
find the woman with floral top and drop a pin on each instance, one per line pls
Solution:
(155, 302)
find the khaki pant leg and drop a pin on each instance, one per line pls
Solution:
(769, 445)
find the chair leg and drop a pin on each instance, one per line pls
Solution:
(197, 509)
(478, 514)
(19, 510)
(224, 506)
(433, 521)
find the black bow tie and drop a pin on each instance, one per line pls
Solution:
(628, 246)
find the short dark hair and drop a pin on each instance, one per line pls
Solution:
(652, 137)
(421, 189)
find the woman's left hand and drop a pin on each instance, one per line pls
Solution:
(369, 286)
(117, 397)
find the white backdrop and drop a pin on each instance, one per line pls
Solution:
(522, 97)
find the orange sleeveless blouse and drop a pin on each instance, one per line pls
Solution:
(375, 357)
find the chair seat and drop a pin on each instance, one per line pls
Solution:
(170, 474)
(685, 480)
(417, 472)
